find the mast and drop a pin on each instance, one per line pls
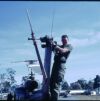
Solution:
(36, 49)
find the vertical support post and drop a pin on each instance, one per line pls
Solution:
(47, 66)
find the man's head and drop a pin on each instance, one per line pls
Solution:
(64, 39)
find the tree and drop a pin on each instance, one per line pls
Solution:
(96, 82)
(83, 83)
(75, 86)
(96, 85)
(2, 80)
(2, 77)
(6, 86)
(7, 80)
(11, 76)
(90, 85)
(65, 86)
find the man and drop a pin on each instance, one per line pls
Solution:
(57, 75)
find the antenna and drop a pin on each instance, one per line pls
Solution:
(29, 20)
(52, 21)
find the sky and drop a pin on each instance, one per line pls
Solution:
(79, 20)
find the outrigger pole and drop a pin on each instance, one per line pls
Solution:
(52, 22)
(36, 48)
(47, 59)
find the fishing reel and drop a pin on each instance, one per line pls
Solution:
(46, 41)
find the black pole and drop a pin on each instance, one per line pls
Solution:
(36, 49)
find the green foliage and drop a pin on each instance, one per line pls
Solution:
(75, 86)
(90, 85)
(96, 81)
(83, 83)
(7, 80)
(10, 75)
(65, 86)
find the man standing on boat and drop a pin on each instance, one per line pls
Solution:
(59, 66)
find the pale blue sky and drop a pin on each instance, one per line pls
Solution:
(80, 20)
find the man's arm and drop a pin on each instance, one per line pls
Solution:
(62, 50)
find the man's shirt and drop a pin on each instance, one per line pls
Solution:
(62, 57)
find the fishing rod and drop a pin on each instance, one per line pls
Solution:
(52, 23)
(36, 48)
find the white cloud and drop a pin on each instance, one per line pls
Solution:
(23, 51)
(93, 39)
(79, 37)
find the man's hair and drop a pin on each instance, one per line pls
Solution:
(64, 36)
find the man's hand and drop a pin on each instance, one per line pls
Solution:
(54, 44)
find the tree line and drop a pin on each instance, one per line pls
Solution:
(8, 82)
(82, 84)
